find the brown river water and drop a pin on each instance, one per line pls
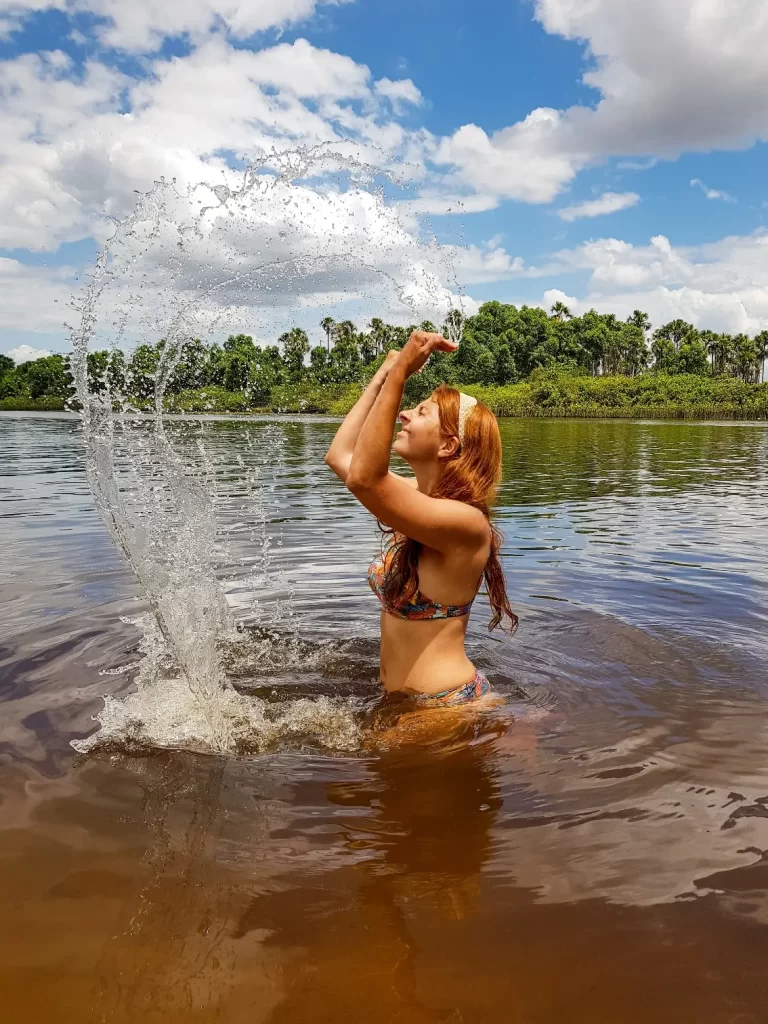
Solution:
(594, 849)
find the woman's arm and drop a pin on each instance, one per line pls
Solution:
(339, 455)
(437, 522)
(371, 452)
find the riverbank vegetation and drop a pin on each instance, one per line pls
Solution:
(521, 361)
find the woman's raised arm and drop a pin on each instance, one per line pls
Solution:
(339, 455)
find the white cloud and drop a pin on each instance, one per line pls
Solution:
(71, 153)
(522, 162)
(34, 297)
(712, 193)
(432, 201)
(399, 93)
(672, 76)
(141, 25)
(475, 264)
(255, 252)
(608, 202)
(722, 286)
(27, 353)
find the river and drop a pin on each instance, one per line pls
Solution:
(594, 849)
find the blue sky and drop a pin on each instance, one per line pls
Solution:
(609, 153)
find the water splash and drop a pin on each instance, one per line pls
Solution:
(297, 229)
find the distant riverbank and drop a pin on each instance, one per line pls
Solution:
(547, 393)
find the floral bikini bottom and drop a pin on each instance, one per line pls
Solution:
(476, 688)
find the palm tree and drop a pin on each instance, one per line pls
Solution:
(723, 355)
(328, 323)
(345, 329)
(560, 311)
(378, 330)
(454, 325)
(761, 341)
(640, 319)
(711, 342)
(676, 331)
(634, 350)
(744, 357)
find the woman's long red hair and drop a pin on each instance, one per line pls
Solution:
(471, 475)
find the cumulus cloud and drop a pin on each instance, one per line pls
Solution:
(142, 25)
(78, 141)
(712, 193)
(722, 286)
(34, 297)
(522, 162)
(608, 202)
(77, 144)
(671, 77)
(433, 201)
(27, 353)
(400, 93)
(255, 251)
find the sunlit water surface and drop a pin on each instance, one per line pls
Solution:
(595, 849)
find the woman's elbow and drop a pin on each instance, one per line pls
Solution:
(339, 466)
(359, 483)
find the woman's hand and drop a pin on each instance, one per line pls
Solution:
(392, 356)
(383, 371)
(420, 347)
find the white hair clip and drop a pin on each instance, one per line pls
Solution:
(466, 405)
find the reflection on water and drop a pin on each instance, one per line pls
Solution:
(594, 849)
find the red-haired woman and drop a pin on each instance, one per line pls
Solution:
(441, 542)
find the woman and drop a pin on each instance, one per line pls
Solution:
(441, 540)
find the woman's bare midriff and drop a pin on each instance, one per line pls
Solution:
(424, 656)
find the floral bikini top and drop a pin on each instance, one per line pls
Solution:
(418, 606)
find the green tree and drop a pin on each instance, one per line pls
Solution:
(295, 345)
(190, 371)
(505, 370)
(664, 355)
(560, 311)
(454, 325)
(345, 364)
(745, 358)
(709, 339)
(676, 331)
(367, 347)
(15, 383)
(140, 373)
(640, 319)
(346, 329)
(614, 344)
(7, 365)
(692, 357)
(595, 338)
(634, 350)
(328, 324)
(97, 364)
(378, 331)
(49, 377)
(319, 360)
(761, 344)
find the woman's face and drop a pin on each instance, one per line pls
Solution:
(419, 439)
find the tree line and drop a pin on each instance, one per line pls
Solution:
(501, 344)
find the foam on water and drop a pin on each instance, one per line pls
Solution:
(165, 712)
(251, 250)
